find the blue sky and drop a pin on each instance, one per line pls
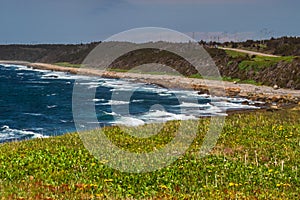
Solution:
(75, 21)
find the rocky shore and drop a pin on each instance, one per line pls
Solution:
(274, 97)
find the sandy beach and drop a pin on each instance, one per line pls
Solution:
(214, 87)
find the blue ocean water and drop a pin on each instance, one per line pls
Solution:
(38, 103)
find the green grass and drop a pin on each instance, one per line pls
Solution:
(117, 70)
(137, 71)
(230, 79)
(256, 157)
(288, 59)
(196, 76)
(257, 63)
(235, 54)
(248, 81)
(67, 64)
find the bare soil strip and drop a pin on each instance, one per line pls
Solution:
(249, 52)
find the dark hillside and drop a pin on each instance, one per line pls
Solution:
(46, 53)
(283, 71)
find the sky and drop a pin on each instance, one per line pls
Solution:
(81, 21)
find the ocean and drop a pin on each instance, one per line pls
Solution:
(38, 103)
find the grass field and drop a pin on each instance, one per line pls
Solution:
(256, 157)
(257, 62)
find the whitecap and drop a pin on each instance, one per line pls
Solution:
(128, 121)
(163, 116)
(52, 106)
(193, 105)
(65, 76)
(97, 100)
(33, 114)
(228, 106)
(111, 113)
(115, 102)
(7, 133)
(165, 94)
(53, 94)
(137, 100)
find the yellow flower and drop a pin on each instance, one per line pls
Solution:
(104, 161)
(93, 164)
(108, 180)
(278, 185)
(231, 184)
(270, 170)
(94, 185)
(163, 187)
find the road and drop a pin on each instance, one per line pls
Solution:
(249, 52)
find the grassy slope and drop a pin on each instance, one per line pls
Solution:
(253, 63)
(258, 62)
(61, 168)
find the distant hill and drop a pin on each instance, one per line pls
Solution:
(47, 53)
(283, 71)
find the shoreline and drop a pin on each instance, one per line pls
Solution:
(274, 97)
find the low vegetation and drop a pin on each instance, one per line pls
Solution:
(283, 71)
(258, 63)
(284, 46)
(255, 63)
(256, 157)
(67, 64)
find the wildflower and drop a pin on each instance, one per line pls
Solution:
(231, 184)
(104, 161)
(163, 187)
(94, 185)
(99, 195)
